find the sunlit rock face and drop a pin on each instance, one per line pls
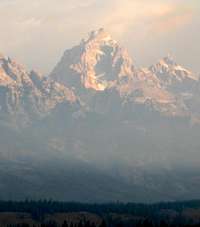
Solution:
(99, 64)
(96, 63)
(28, 94)
(100, 73)
(173, 76)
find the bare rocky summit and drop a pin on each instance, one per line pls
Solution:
(100, 64)
(28, 94)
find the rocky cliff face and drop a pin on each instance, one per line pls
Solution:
(101, 73)
(99, 65)
(173, 76)
(28, 94)
(96, 63)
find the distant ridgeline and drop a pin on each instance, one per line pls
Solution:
(51, 213)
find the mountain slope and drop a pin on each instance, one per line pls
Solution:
(96, 63)
(99, 65)
(25, 95)
(173, 76)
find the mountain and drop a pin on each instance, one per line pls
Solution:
(173, 76)
(96, 63)
(99, 65)
(25, 95)
(98, 128)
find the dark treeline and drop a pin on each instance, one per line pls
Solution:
(145, 223)
(142, 215)
(64, 224)
(49, 206)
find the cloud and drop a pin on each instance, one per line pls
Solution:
(152, 15)
(172, 23)
(29, 22)
(116, 15)
(176, 18)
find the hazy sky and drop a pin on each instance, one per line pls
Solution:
(36, 32)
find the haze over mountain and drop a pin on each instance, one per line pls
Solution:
(98, 128)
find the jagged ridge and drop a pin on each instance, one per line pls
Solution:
(99, 63)
(29, 94)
